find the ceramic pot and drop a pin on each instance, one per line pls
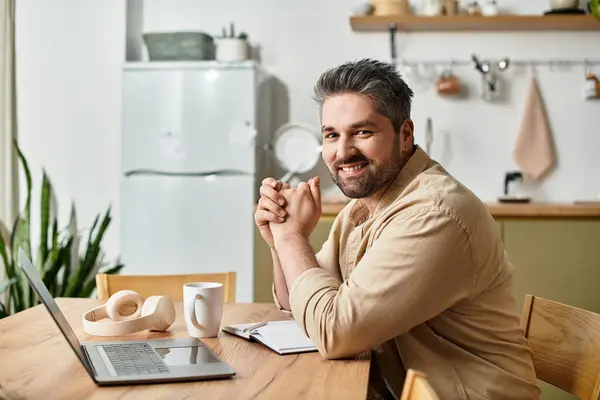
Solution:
(232, 49)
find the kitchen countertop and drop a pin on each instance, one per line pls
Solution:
(515, 210)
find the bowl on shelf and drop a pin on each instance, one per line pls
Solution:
(563, 4)
(169, 46)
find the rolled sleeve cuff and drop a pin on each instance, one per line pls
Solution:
(305, 293)
(277, 303)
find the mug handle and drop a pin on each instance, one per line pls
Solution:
(192, 311)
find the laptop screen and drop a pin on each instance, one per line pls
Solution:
(36, 283)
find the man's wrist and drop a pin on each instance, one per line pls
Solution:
(289, 238)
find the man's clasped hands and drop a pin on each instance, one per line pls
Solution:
(286, 213)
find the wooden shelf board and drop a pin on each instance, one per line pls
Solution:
(584, 22)
(503, 210)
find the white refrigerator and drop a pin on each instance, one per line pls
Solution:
(193, 136)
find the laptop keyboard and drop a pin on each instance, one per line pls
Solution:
(134, 359)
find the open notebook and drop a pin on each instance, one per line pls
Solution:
(283, 337)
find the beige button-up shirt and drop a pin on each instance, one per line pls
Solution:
(424, 283)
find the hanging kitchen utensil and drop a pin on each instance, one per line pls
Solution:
(428, 136)
(297, 149)
(489, 74)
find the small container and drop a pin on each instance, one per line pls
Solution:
(451, 7)
(169, 46)
(473, 8)
(592, 86)
(232, 49)
(391, 7)
(490, 8)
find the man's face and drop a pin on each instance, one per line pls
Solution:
(360, 148)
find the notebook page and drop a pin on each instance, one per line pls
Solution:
(285, 335)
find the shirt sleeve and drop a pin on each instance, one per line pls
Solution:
(416, 268)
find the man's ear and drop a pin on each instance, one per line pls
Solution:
(407, 135)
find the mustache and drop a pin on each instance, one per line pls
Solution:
(357, 158)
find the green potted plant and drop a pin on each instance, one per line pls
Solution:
(64, 269)
(594, 7)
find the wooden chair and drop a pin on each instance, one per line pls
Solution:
(416, 387)
(164, 285)
(565, 341)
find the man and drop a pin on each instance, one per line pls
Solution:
(413, 269)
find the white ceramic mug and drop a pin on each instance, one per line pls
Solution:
(203, 308)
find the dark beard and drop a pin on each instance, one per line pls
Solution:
(377, 176)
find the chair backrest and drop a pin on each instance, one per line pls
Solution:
(417, 387)
(565, 341)
(164, 285)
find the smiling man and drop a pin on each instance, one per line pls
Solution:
(413, 270)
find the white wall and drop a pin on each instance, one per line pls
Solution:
(69, 74)
(300, 40)
(70, 54)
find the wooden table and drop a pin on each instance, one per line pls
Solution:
(37, 363)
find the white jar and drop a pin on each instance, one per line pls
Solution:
(490, 8)
(231, 49)
(591, 85)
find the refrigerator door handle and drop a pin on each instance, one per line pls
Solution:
(214, 173)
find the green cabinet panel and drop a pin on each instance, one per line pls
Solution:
(263, 273)
(558, 260)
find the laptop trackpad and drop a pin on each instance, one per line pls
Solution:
(186, 355)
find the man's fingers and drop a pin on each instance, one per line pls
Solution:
(264, 216)
(267, 204)
(274, 183)
(285, 185)
(315, 190)
(272, 194)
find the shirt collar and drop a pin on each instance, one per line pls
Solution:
(417, 163)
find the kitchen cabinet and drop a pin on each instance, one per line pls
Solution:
(554, 258)
(558, 260)
(263, 274)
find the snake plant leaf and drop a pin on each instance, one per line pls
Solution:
(5, 260)
(91, 284)
(19, 238)
(45, 223)
(4, 310)
(5, 234)
(74, 260)
(52, 266)
(4, 285)
(19, 288)
(14, 293)
(25, 234)
(91, 254)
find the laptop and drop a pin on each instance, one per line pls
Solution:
(136, 361)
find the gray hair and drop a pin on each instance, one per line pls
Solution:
(377, 80)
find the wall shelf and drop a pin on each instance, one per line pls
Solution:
(583, 22)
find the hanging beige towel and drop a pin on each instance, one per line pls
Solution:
(534, 149)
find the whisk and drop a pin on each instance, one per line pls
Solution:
(429, 136)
